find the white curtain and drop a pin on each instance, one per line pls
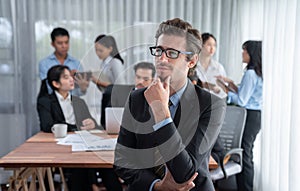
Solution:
(280, 154)
(133, 24)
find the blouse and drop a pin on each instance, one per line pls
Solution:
(249, 93)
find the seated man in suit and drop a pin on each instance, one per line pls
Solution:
(116, 95)
(169, 128)
(144, 74)
(62, 107)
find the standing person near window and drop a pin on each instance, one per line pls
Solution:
(169, 128)
(112, 66)
(249, 95)
(207, 69)
(60, 41)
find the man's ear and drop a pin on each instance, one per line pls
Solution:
(193, 61)
(56, 84)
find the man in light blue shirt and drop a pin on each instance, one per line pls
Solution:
(60, 41)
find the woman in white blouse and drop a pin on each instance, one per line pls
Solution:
(207, 69)
(112, 66)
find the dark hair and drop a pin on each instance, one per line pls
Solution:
(206, 36)
(254, 50)
(182, 28)
(54, 74)
(109, 41)
(145, 65)
(59, 32)
(43, 89)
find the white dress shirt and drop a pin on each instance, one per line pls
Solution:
(67, 108)
(214, 69)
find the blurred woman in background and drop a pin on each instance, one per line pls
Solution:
(248, 95)
(112, 65)
(207, 69)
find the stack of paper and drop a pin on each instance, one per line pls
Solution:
(85, 141)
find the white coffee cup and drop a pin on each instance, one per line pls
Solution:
(59, 130)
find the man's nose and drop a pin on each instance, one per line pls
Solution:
(164, 57)
(140, 80)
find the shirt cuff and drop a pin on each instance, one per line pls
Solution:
(162, 123)
(152, 185)
(230, 97)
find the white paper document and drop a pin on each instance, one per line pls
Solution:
(85, 141)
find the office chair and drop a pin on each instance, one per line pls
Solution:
(231, 135)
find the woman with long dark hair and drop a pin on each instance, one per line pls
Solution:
(249, 95)
(112, 66)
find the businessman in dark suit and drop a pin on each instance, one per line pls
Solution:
(169, 128)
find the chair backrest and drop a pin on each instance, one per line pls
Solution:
(233, 127)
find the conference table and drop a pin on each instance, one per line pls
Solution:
(40, 154)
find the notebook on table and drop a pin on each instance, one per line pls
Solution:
(113, 119)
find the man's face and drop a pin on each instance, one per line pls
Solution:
(176, 68)
(61, 45)
(143, 77)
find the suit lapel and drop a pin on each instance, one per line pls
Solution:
(78, 111)
(56, 108)
(187, 114)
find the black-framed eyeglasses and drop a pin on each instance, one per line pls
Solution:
(170, 52)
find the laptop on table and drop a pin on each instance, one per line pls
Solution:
(113, 119)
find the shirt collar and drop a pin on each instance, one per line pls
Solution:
(61, 98)
(176, 97)
(52, 56)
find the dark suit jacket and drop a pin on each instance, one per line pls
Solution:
(51, 113)
(184, 144)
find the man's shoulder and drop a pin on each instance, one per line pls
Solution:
(137, 98)
(201, 92)
(207, 97)
(46, 60)
(73, 59)
(138, 94)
